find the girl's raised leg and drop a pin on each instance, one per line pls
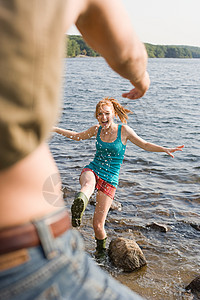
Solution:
(87, 181)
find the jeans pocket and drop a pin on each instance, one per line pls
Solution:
(51, 293)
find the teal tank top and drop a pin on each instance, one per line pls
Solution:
(108, 158)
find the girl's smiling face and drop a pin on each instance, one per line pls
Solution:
(105, 116)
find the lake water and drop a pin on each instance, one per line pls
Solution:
(153, 187)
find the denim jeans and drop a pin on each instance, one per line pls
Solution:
(60, 269)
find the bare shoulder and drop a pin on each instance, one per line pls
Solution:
(125, 129)
(94, 129)
(124, 133)
(128, 133)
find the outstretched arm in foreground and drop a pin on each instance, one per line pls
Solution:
(106, 27)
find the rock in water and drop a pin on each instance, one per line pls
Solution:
(195, 226)
(126, 254)
(158, 227)
(116, 206)
(194, 286)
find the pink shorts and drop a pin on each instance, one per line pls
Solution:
(102, 185)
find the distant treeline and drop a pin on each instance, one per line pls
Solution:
(160, 51)
(76, 46)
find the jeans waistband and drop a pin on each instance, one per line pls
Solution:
(31, 234)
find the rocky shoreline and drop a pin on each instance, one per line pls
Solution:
(126, 255)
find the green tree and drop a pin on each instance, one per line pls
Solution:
(73, 48)
(172, 52)
(84, 49)
(160, 51)
(186, 53)
(150, 50)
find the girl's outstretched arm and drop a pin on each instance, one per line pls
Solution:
(77, 136)
(169, 151)
(129, 134)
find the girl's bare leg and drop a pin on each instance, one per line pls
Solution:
(88, 182)
(103, 203)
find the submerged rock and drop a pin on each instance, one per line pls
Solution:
(157, 226)
(194, 286)
(116, 206)
(126, 254)
(195, 226)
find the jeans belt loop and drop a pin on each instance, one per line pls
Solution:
(46, 238)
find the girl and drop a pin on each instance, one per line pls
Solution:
(103, 172)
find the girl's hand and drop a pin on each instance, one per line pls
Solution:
(169, 151)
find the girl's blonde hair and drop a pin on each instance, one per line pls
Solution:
(119, 110)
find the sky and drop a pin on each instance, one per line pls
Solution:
(164, 22)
